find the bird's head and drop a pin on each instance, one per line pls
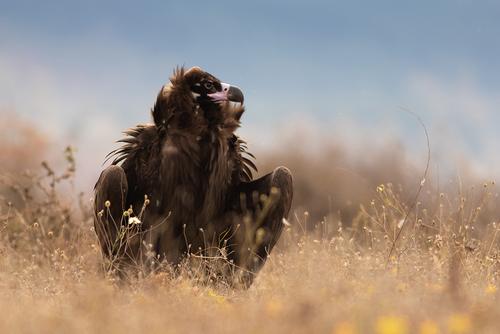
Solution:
(206, 88)
(195, 95)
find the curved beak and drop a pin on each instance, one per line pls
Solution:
(228, 93)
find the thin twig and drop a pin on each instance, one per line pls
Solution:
(421, 184)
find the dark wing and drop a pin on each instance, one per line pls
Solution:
(131, 145)
(139, 157)
(244, 167)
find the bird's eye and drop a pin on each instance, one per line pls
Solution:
(208, 85)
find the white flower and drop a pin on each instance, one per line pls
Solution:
(134, 221)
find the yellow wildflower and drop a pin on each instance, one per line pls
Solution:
(218, 298)
(491, 289)
(459, 324)
(391, 325)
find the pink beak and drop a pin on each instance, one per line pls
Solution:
(227, 93)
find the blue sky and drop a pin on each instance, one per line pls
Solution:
(342, 69)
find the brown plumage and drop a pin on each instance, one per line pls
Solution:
(187, 181)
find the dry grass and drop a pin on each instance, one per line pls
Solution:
(328, 275)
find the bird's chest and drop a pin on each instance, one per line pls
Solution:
(195, 178)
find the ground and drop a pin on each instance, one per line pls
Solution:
(325, 276)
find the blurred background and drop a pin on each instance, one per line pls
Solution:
(330, 86)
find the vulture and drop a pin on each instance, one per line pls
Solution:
(184, 188)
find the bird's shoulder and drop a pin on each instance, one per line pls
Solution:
(137, 140)
(143, 144)
(243, 159)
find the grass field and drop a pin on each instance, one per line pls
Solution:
(326, 276)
